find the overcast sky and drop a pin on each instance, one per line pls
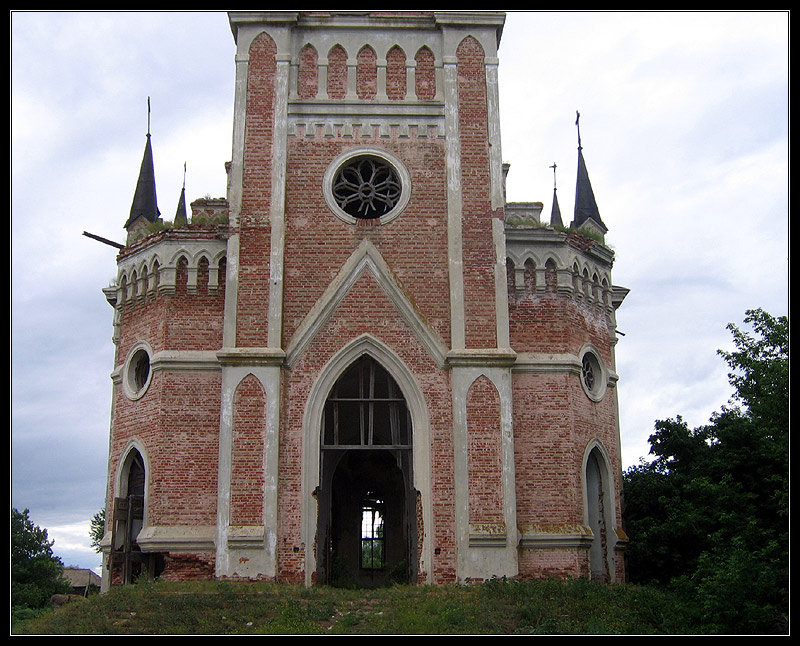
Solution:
(684, 126)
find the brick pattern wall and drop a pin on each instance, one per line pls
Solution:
(180, 567)
(547, 454)
(396, 82)
(318, 244)
(478, 246)
(194, 320)
(307, 75)
(366, 74)
(247, 462)
(425, 77)
(552, 432)
(557, 323)
(484, 453)
(177, 421)
(254, 229)
(553, 563)
(337, 72)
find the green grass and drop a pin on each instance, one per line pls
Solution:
(496, 607)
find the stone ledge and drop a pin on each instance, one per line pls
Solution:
(487, 535)
(500, 357)
(246, 537)
(251, 357)
(555, 536)
(177, 538)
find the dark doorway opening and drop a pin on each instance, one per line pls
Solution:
(367, 505)
(127, 521)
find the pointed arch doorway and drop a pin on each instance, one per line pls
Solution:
(367, 504)
(599, 515)
(128, 518)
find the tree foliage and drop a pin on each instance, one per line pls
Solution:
(36, 573)
(97, 529)
(709, 515)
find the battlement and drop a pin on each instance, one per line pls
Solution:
(154, 264)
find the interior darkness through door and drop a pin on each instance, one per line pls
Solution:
(367, 505)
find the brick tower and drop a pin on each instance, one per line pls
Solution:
(362, 365)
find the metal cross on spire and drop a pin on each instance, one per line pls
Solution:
(577, 123)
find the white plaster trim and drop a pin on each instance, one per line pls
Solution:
(277, 206)
(365, 258)
(128, 387)
(473, 561)
(454, 204)
(262, 558)
(602, 379)
(123, 468)
(487, 535)
(500, 285)
(177, 538)
(495, 146)
(171, 360)
(231, 292)
(246, 537)
(580, 538)
(545, 363)
(184, 360)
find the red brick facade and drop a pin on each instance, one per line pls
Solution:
(248, 326)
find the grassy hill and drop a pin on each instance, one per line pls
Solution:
(496, 607)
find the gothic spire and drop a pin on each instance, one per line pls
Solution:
(555, 213)
(145, 203)
(585, 204)
(180, 213)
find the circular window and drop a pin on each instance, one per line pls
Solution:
(137, 371)
(366, 184)
(592, 375)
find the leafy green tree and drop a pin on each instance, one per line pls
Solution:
(36, 573)
(709, 515)
(97, 529)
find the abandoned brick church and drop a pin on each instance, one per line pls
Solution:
(362, 365)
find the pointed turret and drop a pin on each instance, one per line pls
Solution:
(144, 208)
(180, 214)
(586, 211)
(145, 203)
(555, 213)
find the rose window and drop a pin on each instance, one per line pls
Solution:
(588, 372)
(366, 188)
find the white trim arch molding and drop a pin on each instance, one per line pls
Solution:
(312, 426)
(602, 548)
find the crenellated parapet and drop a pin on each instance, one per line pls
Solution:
(159, 264)
(542, 259)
